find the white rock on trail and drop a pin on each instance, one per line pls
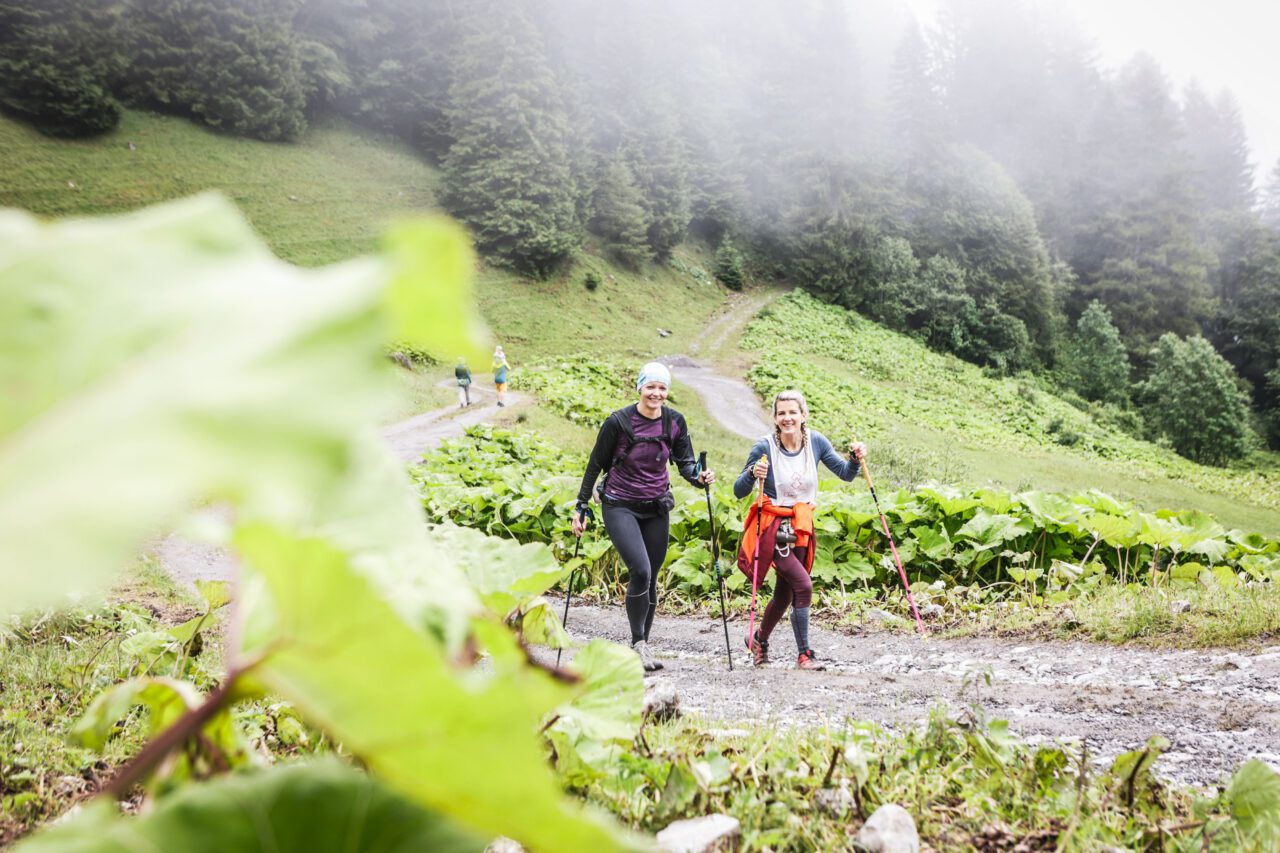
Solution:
(716, 833)
(661, 701)
(890, 829)
(836, 802)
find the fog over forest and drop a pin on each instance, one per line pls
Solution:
(981, 180)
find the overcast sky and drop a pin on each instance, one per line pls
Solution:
(1231, 43)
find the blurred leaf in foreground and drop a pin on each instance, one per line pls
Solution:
(155, 360)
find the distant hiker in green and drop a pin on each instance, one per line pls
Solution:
(500, 368)
(464, 382)
(634, 447)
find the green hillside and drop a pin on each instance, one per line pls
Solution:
(322, 200)
(961, 425)
(327, 198)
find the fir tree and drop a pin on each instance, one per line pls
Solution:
(618, 214)
(729, 265)
(507, 173)
(1220, 173)
(58, 61)
(232, 64)
(1270, 208)
(659, 165)
(915, 101)
(1097, 361)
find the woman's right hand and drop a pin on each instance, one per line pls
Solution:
(761, 468)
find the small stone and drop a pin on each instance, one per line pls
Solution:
(132, 147)
(71, 184)
(503, 844)
(1236, 661)
(1069, 618)
(716, 833)
(293, 198)
(1181, 605)
(890, 829)
(932, 611)
(836, 802)
(661, 701)
(664, 333)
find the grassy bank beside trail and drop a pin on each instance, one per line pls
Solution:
(969, 428)
(52, 666)
(621, 319)
(323, 199)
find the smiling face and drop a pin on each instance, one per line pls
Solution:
(789, 415)
(653, 395)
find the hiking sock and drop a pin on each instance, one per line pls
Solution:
(637, 611)
(800, 627)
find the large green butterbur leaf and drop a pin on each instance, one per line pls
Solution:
(333, 647)
(506, 575)
(1254, 797)
(154, 360)
(323, 806)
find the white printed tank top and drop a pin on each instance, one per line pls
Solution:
(795, 478)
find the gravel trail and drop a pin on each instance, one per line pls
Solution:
(1217, 708)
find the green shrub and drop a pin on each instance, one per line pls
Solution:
(1191, 398)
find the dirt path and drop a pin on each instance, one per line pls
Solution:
(729, 400)
(410, 438)
(1217, 709)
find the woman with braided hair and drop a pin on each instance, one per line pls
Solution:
(787, 463)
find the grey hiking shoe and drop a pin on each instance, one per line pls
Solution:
(650, 663)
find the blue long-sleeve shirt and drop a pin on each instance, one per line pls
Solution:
(846, 468)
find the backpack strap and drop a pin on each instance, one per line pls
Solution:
(622, 417)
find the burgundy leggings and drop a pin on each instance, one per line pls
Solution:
(792, 586)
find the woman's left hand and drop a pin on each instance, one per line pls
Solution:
(707, 477)
(858, 450)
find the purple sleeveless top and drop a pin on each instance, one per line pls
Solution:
(641, 474)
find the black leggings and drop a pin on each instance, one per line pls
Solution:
(641, 540)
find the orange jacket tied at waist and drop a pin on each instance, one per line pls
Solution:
(801, 516)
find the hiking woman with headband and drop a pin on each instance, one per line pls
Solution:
(787, 463)
(633, 448)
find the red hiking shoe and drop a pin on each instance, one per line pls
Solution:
(808, 660)
(759, 650)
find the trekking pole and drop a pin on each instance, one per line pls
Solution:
(715, 560)
(902, 573)
(755, 573)
(568, 596)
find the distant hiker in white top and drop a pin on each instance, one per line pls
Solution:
(500, 368)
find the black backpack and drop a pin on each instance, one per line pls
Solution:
(622, 417)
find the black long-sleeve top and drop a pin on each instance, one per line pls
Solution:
(638, 478)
